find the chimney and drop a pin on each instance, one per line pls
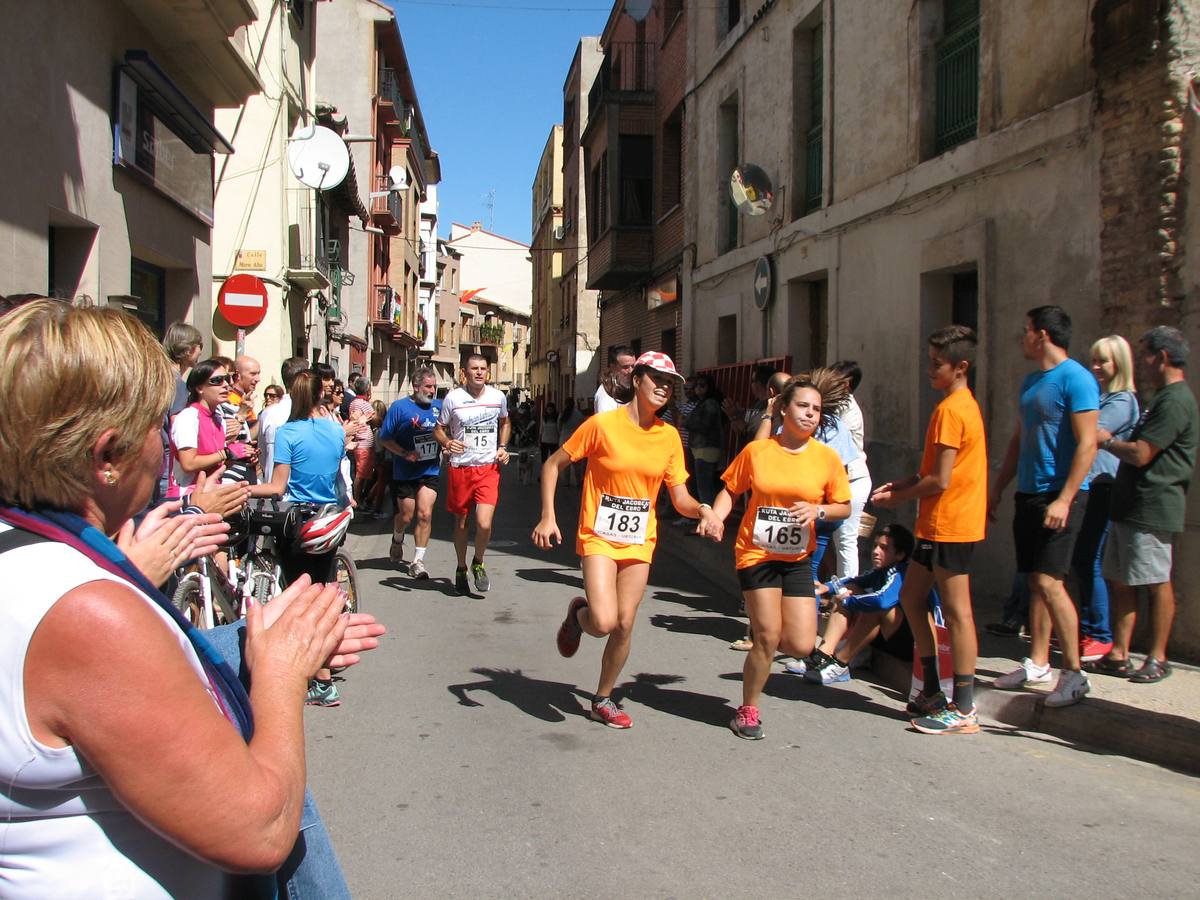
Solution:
(476, 226)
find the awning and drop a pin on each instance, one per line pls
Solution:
(172, 105)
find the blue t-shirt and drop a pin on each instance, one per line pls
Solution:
(1048, 400)
(838, 436)
(410, 425)
(1118, 414)
(314, 449)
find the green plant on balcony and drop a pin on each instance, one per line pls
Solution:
(491, 333)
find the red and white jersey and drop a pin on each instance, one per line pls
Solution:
(475, 421)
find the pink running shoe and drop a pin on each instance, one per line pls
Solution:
(608, 713)
(569, 631)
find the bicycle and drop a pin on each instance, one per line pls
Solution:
(254, 572)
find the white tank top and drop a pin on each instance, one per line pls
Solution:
(62, 832)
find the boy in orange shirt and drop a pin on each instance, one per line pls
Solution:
(951, 490)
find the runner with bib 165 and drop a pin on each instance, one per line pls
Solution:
(794, 481)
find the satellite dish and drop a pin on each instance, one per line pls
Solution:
(398, 177)
(318, 158)
(751, 190)
(637, 9)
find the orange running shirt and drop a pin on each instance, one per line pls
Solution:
(777, 478)
(958, 514)
(626, 468)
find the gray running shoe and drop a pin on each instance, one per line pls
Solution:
(417, 569)
(482, 582)
(396, 553)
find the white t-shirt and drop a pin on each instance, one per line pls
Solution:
(272, 419)
(476, 422)
(852, 418)
(603, 401)
(63, 833)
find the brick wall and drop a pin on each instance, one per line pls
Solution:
(1142, 58)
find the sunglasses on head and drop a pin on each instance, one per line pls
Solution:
(218, 380)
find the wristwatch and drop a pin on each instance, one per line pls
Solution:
(820, 512)
(1106, 444)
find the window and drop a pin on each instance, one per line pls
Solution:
(598, 202)
(635, 346)
(808, 322)
(728, 151)
(667, 342)
(637, 179)
(671, 10)
(672, 160)
(814, 135)
(957, 75)
(732, 15)
(148, 285)
(727, 340)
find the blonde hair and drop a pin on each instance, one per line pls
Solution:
(69, 374)
(1117, 349)
(831, 384)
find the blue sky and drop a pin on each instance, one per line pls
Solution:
(489, 78)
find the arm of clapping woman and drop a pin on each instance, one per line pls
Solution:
(242, 815)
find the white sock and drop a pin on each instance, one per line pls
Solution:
(419, 554)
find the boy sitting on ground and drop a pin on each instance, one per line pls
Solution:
(863, 607)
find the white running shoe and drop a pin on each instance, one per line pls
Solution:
(797, 667)
(1029, 673)
(1071, 688)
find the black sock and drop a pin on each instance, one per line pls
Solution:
(460, 569)
(930, 668)
(964, 692)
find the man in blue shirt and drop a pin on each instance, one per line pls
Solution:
(1050, 452)
(407, 433)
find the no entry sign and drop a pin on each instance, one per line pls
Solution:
(242, 300)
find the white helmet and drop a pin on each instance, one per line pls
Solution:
(324, 531)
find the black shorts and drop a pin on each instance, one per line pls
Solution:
(1038, 548)
(408, 490)
(795, 578)
(955, 558)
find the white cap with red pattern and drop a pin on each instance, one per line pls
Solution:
(659, 362)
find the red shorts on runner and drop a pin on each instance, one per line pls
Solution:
(472, 485)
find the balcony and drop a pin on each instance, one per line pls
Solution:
(627, 75)
(389, 316)
(622, 255)
(390, 103)
(387, 211)
(308, 254)
(482, 335)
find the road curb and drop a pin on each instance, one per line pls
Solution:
(1095, 724)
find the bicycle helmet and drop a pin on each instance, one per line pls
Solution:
(325, 530)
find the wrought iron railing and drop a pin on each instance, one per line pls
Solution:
(957, 86)
(627, 66)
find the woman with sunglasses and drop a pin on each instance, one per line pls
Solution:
(272, 395)
(198, 431)
(630, 452)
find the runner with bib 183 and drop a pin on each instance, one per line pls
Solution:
(794, 481)
(629, 452)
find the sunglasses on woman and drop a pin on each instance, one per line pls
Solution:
(218, 380)
(271, 396)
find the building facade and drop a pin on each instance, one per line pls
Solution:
(549, 346)
(110, 110)
(633, 150)
(956, 162)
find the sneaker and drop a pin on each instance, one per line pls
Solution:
(1091, 649)
(948, 721)
(322, 693)
(799, 666)
(1007, 628)
(417, 569)
(743, 644)
(608, 713)
(1027, 674)
(926, 704)
(460, 581)
(746, 725)
(396, 552)
(479, 573)
(569, 631)
(830, 672)
(1071, 688)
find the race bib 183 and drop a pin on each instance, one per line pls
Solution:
(622, 520)
(777, 532)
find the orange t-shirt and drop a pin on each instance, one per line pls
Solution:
(777, 478)
(626, 467)
(958, 514)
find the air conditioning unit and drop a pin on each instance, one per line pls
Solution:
(559, 232)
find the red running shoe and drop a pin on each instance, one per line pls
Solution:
(608, 713)
(569, 631)
(1091, 649)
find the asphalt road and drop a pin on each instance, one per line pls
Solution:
(462, 761)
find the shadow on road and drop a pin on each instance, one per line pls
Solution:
(442, 586)
(700, 603)
(784, 686)
(550, 701)
(550, 576)
(648, 690)
(719, 627)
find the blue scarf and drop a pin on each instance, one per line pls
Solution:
(70, 529)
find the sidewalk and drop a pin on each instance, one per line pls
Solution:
(1157, 723)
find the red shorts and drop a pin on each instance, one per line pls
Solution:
(472, 484)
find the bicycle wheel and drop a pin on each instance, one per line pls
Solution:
(260, 573)
(346, 574)
(187, 599)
